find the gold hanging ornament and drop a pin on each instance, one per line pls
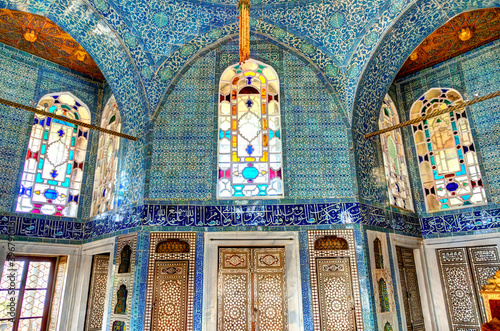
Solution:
(244, 8)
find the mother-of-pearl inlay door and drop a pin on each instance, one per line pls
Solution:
(252, 289)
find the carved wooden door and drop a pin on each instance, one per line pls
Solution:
(464, 271)
(335, 294)
(97, 293)
(409, 289)
(170, 296)
(252, 289)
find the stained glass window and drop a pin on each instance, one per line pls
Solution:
(383, 296)
(396, 171)
(249, 149)
(121, 300)
(379, 256)
(26, 289)
(107, 160)
(387, 326)
(447, 158)
(118, 326)
(53, 169)
(125, 256)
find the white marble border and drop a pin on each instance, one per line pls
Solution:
(421, 266)
(290, 240)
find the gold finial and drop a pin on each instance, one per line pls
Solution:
(414, 56)
(30, 35)
(465, 34)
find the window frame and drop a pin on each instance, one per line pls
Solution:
(22, 289)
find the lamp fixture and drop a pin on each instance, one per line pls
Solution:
(30, 35)
(465, 34)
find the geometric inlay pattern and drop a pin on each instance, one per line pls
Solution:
(97, 293)
(252, 289)
(170, 284)
(336, 301)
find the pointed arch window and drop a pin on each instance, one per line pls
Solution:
(379, 256)
(53, 169)
(383, 296)
(396, 171)
(448, 163)
(107, 160)
(249, 148)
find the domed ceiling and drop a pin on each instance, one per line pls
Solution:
(461, 34)
(39, 36)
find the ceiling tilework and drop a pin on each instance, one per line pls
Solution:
(39, 36)
(444, 43)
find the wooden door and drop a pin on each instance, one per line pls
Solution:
(97, 293)
(170, 296)
(252, 289)
(335, 294)
(410, 290)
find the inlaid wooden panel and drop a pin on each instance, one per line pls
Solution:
(252, 289)
(170, 296)
(97, 293)
(335, 294)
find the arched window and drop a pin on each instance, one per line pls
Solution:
(53, 170)
(249, 149)
(379, 256)
(447, 159)
(125, 256)
(383, 296)
(107, 160)
(387, 326)
(396, 171)
(121, 300)
(118, 326)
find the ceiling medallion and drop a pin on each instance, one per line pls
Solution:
(30, 35)
(414, 56)
(465, 34)
(80, 55)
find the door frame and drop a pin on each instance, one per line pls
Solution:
(426, 299)
(436, 284)
(288, 239)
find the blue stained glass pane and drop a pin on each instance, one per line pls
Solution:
(460, 154)
(52, 109)
(52, 182)
(452, 187)
(271, 134)
(35, 121)
(278, 134)
(48, 121)
(466, 197)
(467, 203)
(429, 146)
(68, 169)
(445, 207)
(250, 172)
(436, 175)
(42, 122)
(71, 155)
(39, 178)
(73, 141)
(457, 141)
(462, 170)
(62, 122)
(50, 194)
(221, 134)
(454, 126)
(44, 147)
(65, 183)
(262, 190)
(45, 135)
(238, 190)
(433, 162)
(40, 164)
(427, 134)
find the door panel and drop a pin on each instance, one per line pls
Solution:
(335, 294)
(170, 296)
(97, 293)
(410, 290)
(252, 289)
(459, 289)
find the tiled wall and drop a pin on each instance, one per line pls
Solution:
(318, 163)
(25, 79)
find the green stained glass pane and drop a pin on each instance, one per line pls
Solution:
(45, 135)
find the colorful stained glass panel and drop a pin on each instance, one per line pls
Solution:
(53, 169)
(448, 163)
(249, 149)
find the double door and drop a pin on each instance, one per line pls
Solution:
(464, 270)
(252, 289)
